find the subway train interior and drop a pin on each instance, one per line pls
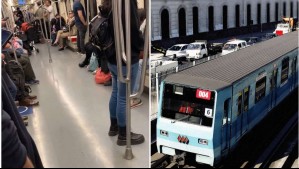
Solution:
(69, 120)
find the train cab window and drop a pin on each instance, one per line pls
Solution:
(239, 103)
(285, 71)
(187, 105)
(246, 99)
(260, 90)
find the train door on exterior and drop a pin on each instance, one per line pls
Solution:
(239, 119)
(294, 74)
(273, 87)
(245, 108)
(226, 127)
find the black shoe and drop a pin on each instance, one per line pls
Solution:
(135, 138)
(61, 49)
(113, 131)
(83, 64)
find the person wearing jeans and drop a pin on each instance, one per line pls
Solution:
(81, 24)
(118, 100)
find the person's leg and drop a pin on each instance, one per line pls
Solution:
(27, 67)
(137, 101)
(63, 37)
(89, 49)
(10, 84)
(82, 38)
(113, 131)
(121, 109)
(78, 40)
(58, 36)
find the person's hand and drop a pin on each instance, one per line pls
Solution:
(2, 56)
(141, 54)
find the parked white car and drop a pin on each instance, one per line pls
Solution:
(178, 50)
(197, 50)
(233, 46)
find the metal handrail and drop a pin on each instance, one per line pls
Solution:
(124, 55)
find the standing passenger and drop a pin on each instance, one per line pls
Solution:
(81, 24)
(118, 100)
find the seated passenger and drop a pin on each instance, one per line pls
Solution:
(69, 30)
(25, 63)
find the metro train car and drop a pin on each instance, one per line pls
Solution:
(207, 109)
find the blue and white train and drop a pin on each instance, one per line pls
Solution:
(207, 109)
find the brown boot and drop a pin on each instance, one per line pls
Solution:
(27, 102)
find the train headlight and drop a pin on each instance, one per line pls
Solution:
(164, 133)
(203, 141)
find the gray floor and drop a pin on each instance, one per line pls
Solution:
(70, 126)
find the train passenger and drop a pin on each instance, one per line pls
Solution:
(81, 24)
(18, 147)
(69, 30)
(117, 105)
(25, 63)
(50, 13)
(11, 86)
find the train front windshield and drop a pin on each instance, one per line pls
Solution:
(188, 105)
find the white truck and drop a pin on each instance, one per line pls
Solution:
(286, 27)
(197, 50)
(233, 45)
(177, 51)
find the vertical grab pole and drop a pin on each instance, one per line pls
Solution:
(48, 36)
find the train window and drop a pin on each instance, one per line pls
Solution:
(284, 71)
(188, 105)
(239, 102)
(225, 112)
(246, 99)
(273, 79)
(260, 90)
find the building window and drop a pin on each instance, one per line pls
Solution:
(291, 10)
(182, 22)
(260, 90)
(248, 15)
(285, 70)
(237, 16)
(268, 13)
(259, 16)
(276, 12)
(195, 21)
(211, 18)
(225, 17)
(165, 24)
(284, 10)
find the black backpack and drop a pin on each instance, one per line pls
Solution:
(101, 33)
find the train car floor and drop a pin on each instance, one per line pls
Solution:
(70, 126)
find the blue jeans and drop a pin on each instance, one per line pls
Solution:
(136, 87)
(117, 105)
(81, 38)
(10, 84)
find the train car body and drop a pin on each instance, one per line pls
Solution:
(207, 109)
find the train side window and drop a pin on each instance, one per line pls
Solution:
(260, 90)
(246, 99)
(239, 102)
(273, 79)
(226, 111)
(284, 70)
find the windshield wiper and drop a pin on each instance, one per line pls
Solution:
(181, 119)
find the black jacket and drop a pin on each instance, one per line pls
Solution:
(17, 143)
(137, 41)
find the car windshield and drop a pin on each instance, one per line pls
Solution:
(193, 46)
(229, 46)
(175, 48)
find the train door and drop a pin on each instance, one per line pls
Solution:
(239, 116)
(294, 73)
(226, 127)
(245, 108)
(273, 82)
(242, 109)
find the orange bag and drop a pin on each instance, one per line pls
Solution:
(101, 77)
